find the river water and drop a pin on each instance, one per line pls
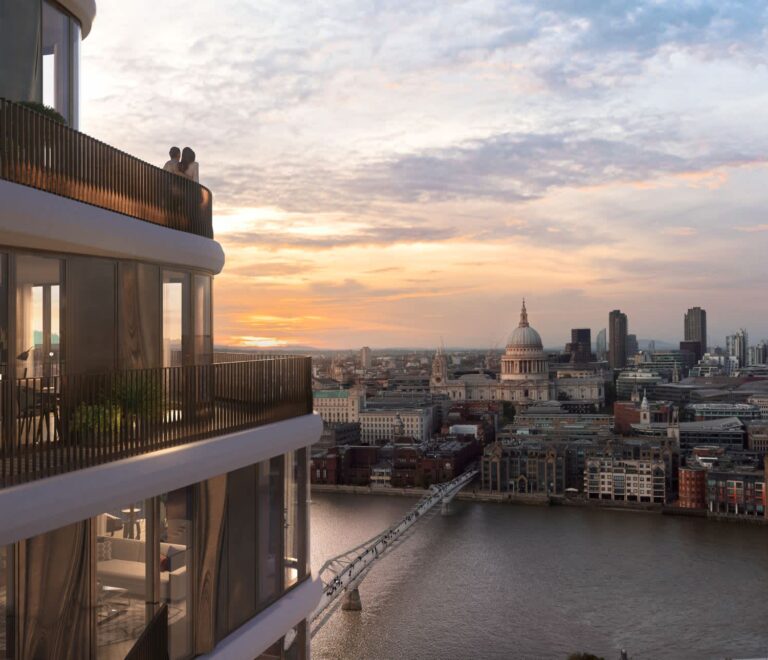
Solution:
(504, 581)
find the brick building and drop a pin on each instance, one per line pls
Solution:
(692, 487)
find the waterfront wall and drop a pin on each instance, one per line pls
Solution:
(539, 499)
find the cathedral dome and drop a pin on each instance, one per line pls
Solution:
(524, 336)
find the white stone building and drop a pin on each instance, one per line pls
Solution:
(338, 405)
(379, 426)
(524, 376)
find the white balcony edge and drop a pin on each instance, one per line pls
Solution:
(40, 506)
(35, 219)
(257, 635)
(83, 10)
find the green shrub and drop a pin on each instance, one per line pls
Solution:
(45, 110)
(95, 417)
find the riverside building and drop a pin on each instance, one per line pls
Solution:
(625, 480)
(153, 501)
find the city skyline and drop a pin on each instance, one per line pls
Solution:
(402, 172)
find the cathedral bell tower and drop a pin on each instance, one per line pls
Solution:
(439, 368)
(645, 411)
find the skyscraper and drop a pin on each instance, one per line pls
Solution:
(365, 357)
(580, 346)
(632, 346)
(737, 346)
(696, 327)
(617, 338)
(758, 354)
(601, 345)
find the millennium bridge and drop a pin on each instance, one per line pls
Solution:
(342, 575)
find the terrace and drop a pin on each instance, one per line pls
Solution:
(63, 423)
(41, 153)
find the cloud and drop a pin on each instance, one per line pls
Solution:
(486, 141)
(517, 167)
(751, 229)
(679, 231)
(360, 237)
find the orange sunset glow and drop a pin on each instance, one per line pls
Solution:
(389, 179)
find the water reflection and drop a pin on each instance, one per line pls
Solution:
(498, 581)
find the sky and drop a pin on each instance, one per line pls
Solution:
(401, 173)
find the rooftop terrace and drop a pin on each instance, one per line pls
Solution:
(41, 153)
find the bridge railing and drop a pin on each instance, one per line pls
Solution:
(342, 574)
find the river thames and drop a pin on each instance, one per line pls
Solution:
(505, 581)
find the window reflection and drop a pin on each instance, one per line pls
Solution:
(295, 562)
(270, 517)
(121, 562)
(203, 333)
(175, 312)
(175, 576)
(3, 597)
(38, 331)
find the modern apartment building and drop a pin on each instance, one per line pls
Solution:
(153, 501)
(625, 480)
(737, 348)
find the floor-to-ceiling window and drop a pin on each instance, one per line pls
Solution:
(3, 599)
(121, 579)
(270, 517)
(175, 572)
(38, 316)
(60, 62)
(176, 319)
(203, 322)
(295, 526)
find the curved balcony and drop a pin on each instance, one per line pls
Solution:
(39, 152)
(64, 423)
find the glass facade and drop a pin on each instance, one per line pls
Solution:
(120, 593)
(60, 61)
(203, 329)
(215, 553)
(109, 320)
(176, 319)
(210, 552)
(3, 598)
(40, 56)
(21, 50)
(175, 556)
(295, 556)
(38, 316)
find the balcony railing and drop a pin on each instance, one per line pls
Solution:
(64, 423)
(41, 153)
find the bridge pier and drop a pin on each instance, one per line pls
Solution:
(352, 602)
